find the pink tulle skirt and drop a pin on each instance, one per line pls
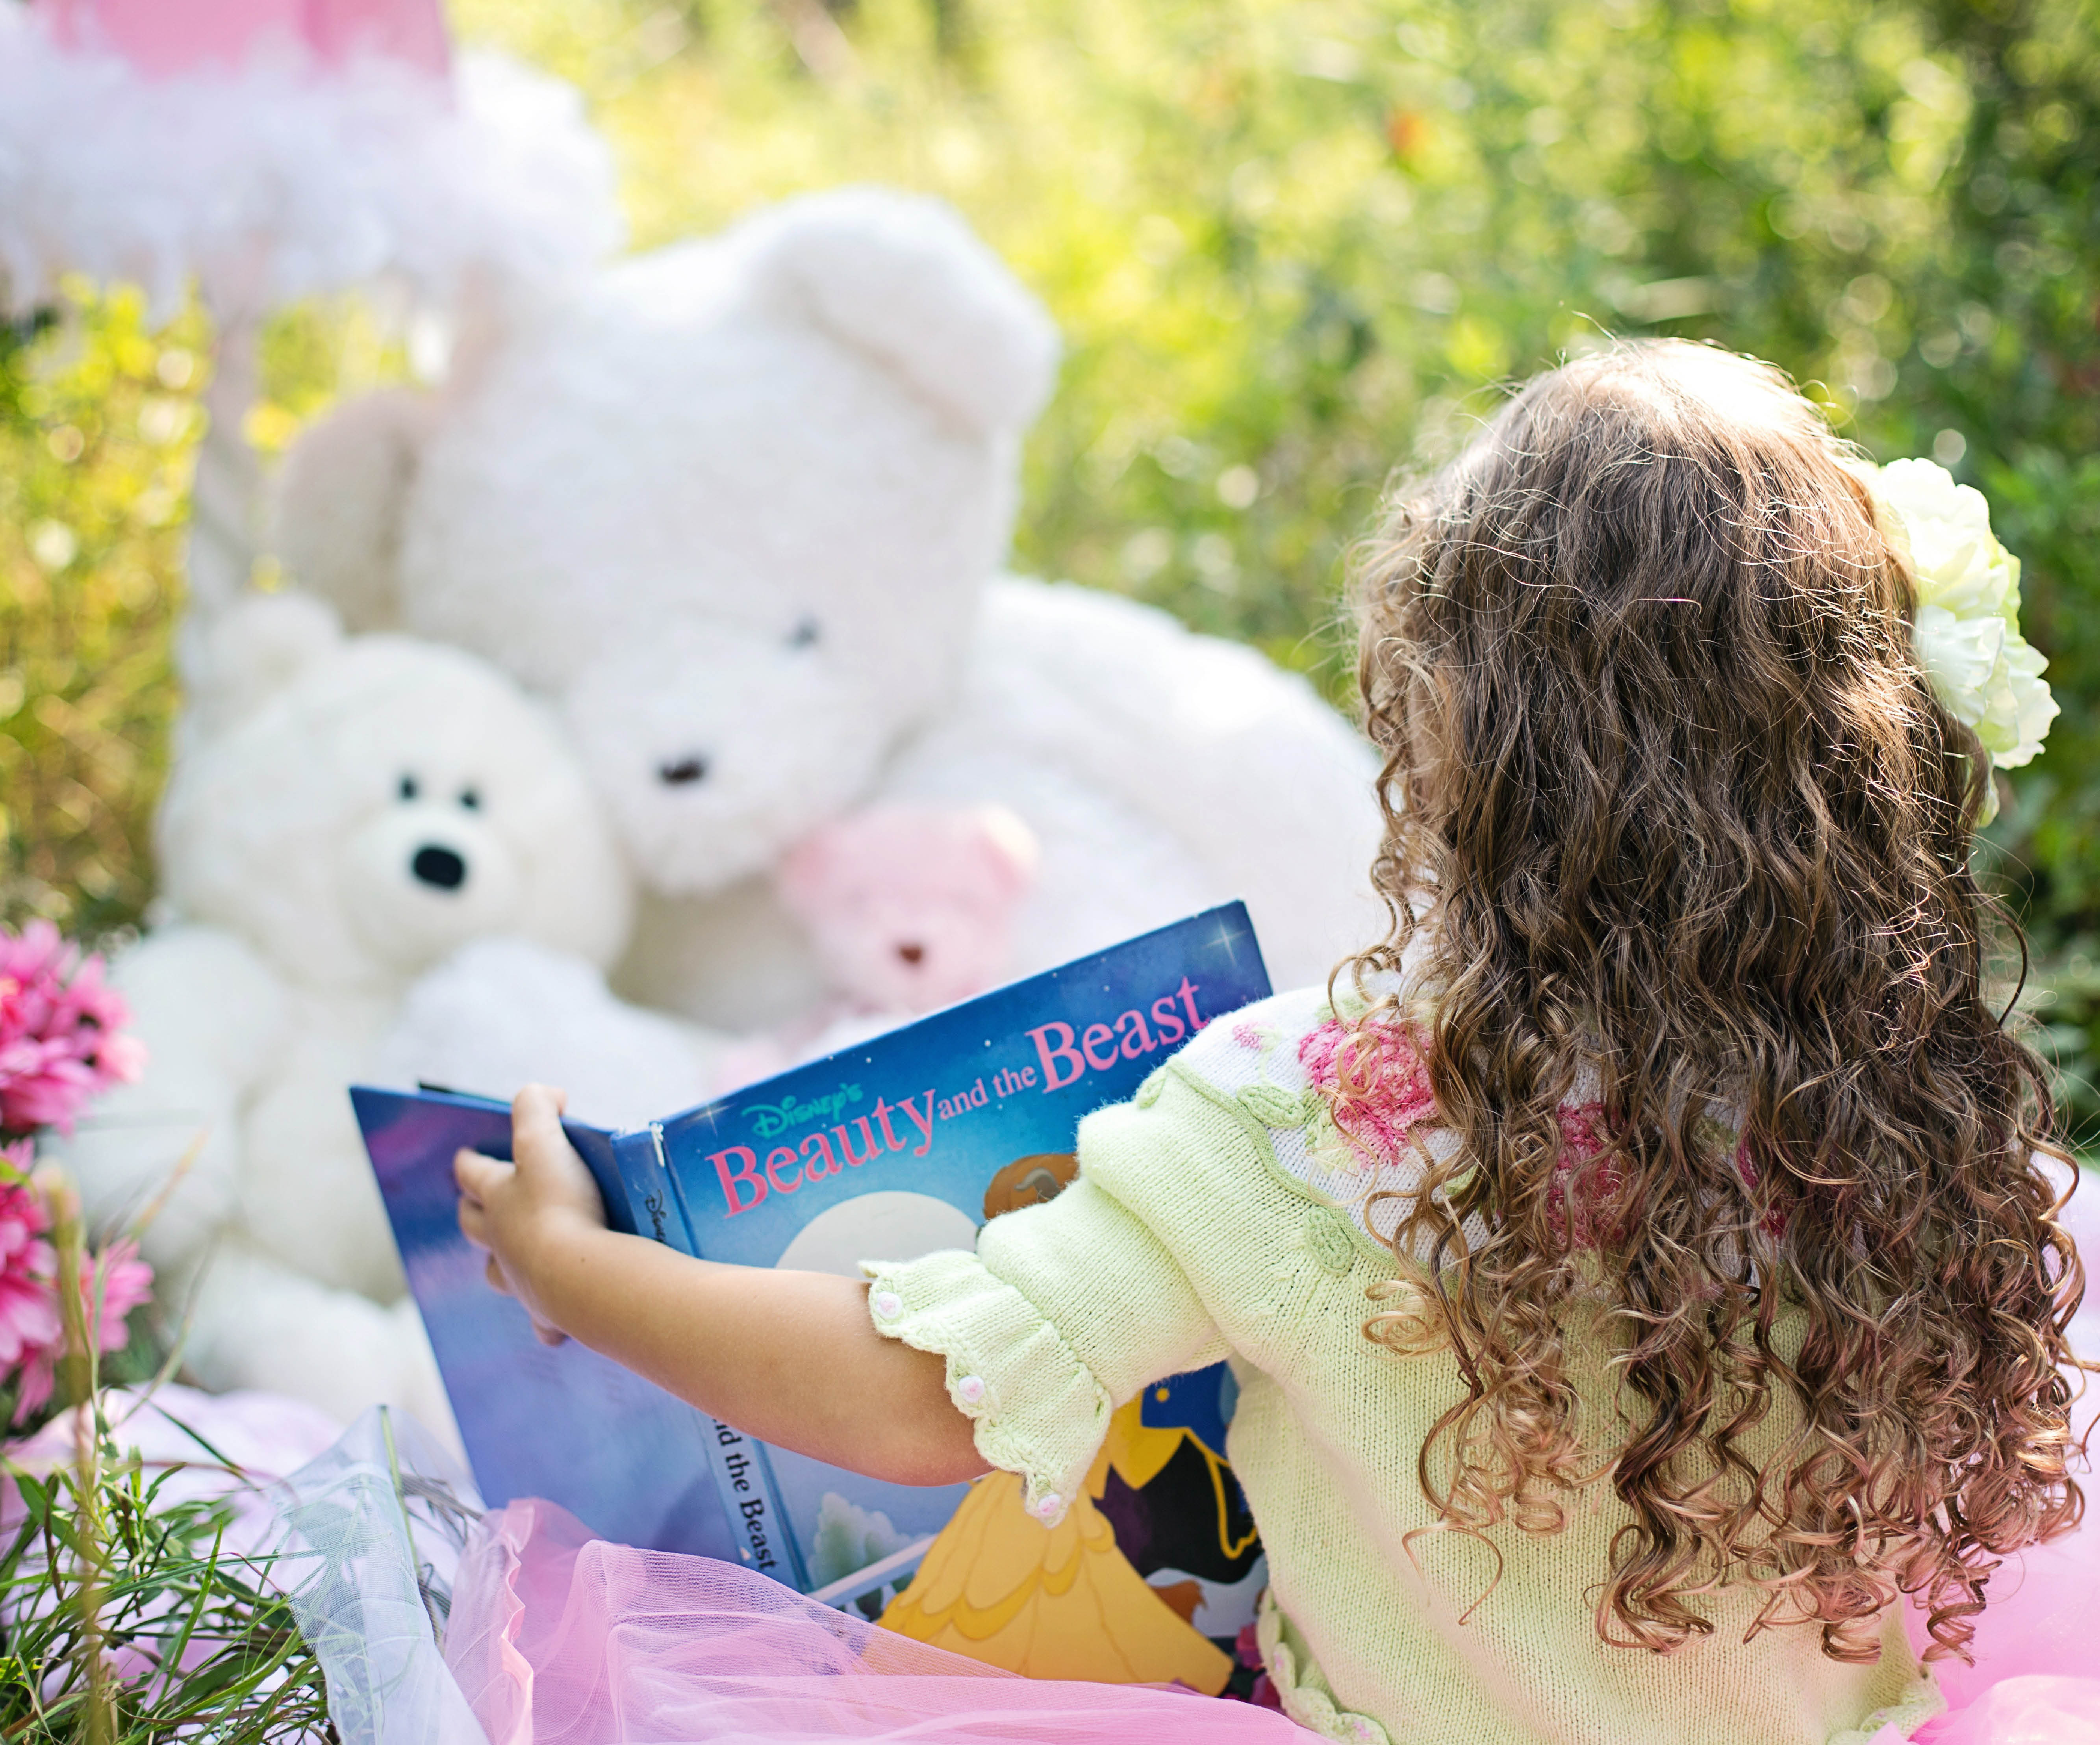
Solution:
(2037, 1646)
(556, 1637)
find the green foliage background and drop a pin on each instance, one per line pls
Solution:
(1292, 244)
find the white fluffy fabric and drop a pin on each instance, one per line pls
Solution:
(905, 279)
(738, 507)
(506, 1012)
(285, 179)
(300, 823)
(787, 736)
(1161, 771)
(732, 503)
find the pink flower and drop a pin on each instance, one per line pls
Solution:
(28, 1299)
(123, 1281)
(62, 1038)
(1387, 1094)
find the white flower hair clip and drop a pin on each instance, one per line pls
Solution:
(1967, 634)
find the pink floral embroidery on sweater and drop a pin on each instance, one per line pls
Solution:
(1377, 1121)
(1395, 1098)
(1583, 1178)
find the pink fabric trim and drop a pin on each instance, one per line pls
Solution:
(557, 1636)
(2042, 1618)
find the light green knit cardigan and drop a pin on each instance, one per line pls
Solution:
(1185, 1240)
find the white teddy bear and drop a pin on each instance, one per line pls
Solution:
(350, 811)
(739, 508)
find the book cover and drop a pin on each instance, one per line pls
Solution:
(907, 1143)
(556, 1421)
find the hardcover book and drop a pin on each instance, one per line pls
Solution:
(907, 1143)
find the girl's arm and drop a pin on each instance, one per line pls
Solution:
(788, 1357)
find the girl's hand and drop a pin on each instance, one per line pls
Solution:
(533, 1216)
(790, 1358)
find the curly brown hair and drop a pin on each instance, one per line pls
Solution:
(1669, 800)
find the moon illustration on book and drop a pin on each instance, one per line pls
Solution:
(883, 1226)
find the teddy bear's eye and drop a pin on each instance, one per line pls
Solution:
(807, 633)
(407, 789)
(470, 799)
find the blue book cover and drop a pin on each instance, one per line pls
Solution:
(558, 1421)
(905, 1144)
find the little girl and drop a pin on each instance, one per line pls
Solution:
(1643, 1269)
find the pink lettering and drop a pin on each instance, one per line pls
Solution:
(1188, 993)
(924, 1122)
(731, 1179)
(867, 1138)
(812, 1172)
(1096, 1034)
(1050, 1054)
(1136, 1039)
(782, 1153)
(1171, 1030)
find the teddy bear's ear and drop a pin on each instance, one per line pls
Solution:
(336, 513)
(902, 278)
(256, 648)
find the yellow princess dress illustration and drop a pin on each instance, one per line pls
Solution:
(1061, 1601)
(1065, 1601)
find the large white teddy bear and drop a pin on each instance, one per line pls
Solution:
(739, 509)
(348, 813)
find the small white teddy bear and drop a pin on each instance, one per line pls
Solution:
(349, 812)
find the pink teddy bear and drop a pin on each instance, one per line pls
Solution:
(910, 908)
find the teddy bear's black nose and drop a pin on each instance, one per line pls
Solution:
(681, 772)
(439, 867)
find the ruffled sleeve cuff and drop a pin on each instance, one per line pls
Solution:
(1037, 1409)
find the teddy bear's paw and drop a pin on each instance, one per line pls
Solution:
(502, 1013)
(258, 1324)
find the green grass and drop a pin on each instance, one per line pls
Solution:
(193, 1642)
(125, 1617)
